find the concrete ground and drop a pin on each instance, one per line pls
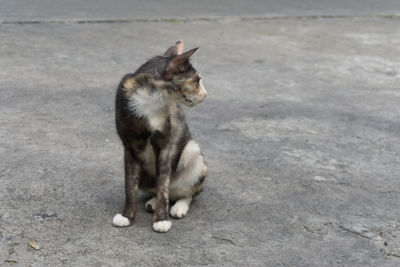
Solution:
(301, 131)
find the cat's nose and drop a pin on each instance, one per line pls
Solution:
(202, 89)
(203, 92)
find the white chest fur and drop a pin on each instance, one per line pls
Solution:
(156, 121)
(151, 105)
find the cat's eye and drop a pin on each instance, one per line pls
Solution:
(197, 79)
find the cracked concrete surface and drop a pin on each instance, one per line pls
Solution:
(300, 130)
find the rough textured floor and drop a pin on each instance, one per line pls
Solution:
(300, 130)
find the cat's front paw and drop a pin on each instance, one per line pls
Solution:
(162, 226)
(121, 221)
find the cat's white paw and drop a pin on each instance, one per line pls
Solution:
(150, 204)
(121, 221)
(162, 226)
(179, 210)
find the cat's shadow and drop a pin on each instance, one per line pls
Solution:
(143, 219)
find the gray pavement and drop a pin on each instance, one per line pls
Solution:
(44, 10)
(300, 130)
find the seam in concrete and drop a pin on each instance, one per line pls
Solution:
(183, 20)
(224, 239)
(352, 231)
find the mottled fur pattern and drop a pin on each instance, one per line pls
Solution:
(160, 156)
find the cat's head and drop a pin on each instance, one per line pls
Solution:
(188, 84)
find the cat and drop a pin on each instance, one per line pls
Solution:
(160, 156)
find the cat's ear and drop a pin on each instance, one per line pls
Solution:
(177, 64)
(174, 50)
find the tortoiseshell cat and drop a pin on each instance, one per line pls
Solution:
(160, 155)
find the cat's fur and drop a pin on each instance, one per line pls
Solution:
(160, 155)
